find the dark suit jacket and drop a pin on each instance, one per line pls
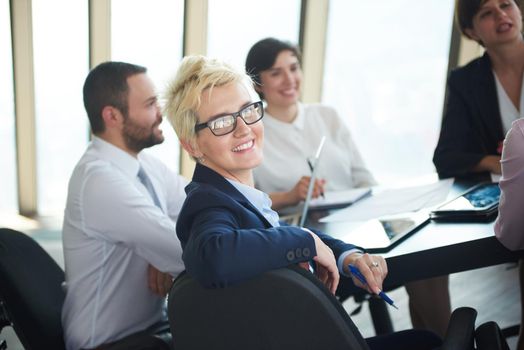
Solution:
(227, 240)
(472, 125)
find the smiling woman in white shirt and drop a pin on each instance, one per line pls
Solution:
(294, 130)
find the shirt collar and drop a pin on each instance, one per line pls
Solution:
(300, 119)
(298, 123)
(259, 200)
(128, 164)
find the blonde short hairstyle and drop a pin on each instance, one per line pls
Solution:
(183, 95)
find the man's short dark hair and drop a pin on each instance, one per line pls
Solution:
(106, 85)
(263, 55)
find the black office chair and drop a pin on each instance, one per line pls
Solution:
(282, 309)
(31, 295)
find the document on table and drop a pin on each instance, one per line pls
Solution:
(394, 201)
(333, 199)
(495, 177)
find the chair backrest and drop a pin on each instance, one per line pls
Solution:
(30, 288)
(282, 309)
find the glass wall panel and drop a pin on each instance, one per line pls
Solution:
(235, 25)
(8, 199)
(150, 34)
(61, 63)
(385, 72)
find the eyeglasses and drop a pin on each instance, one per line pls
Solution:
(225, 124)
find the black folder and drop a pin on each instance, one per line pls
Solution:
(478, 203)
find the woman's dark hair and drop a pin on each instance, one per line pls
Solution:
(465, 10)
(106, 85)
(263, 55)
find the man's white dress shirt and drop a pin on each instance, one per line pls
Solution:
(287, 147)
(112, 231)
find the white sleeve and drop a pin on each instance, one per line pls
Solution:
(175, 186)
(360, 174)
(116, 211)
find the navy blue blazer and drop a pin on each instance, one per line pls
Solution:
(472, 125)
(226, 240)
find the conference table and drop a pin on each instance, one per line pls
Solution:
(436, 249)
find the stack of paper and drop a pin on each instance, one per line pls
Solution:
(394, 201)
(337, 199)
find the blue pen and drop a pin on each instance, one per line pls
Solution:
(355, 272)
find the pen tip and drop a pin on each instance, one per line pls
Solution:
(395, 306)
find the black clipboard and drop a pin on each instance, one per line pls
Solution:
(478, 204)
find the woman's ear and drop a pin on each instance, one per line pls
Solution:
(470, 33)
(191, 148)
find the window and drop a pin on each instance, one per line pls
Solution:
(61, 62)
(8, 200)
(385, 73)
(235, 25)
(150, 34)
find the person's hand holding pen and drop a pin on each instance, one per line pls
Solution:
(310, 164)
(299, 192)
(372, 267)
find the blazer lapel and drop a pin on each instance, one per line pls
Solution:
(208, 176)
(486, 95)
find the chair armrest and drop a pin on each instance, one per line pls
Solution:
(489, 337)
(461, 330)
(4, 317)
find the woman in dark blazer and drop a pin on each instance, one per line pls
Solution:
(227, 228)
(228, 231)
(485, 96)
(475, 119)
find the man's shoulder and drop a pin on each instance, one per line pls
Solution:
(92, 172)
(155, 167)
(155, 164)
(148, 158)
(91, 163)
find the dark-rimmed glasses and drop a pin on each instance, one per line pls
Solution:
(224, 124)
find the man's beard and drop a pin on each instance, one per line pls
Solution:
(137, 137)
